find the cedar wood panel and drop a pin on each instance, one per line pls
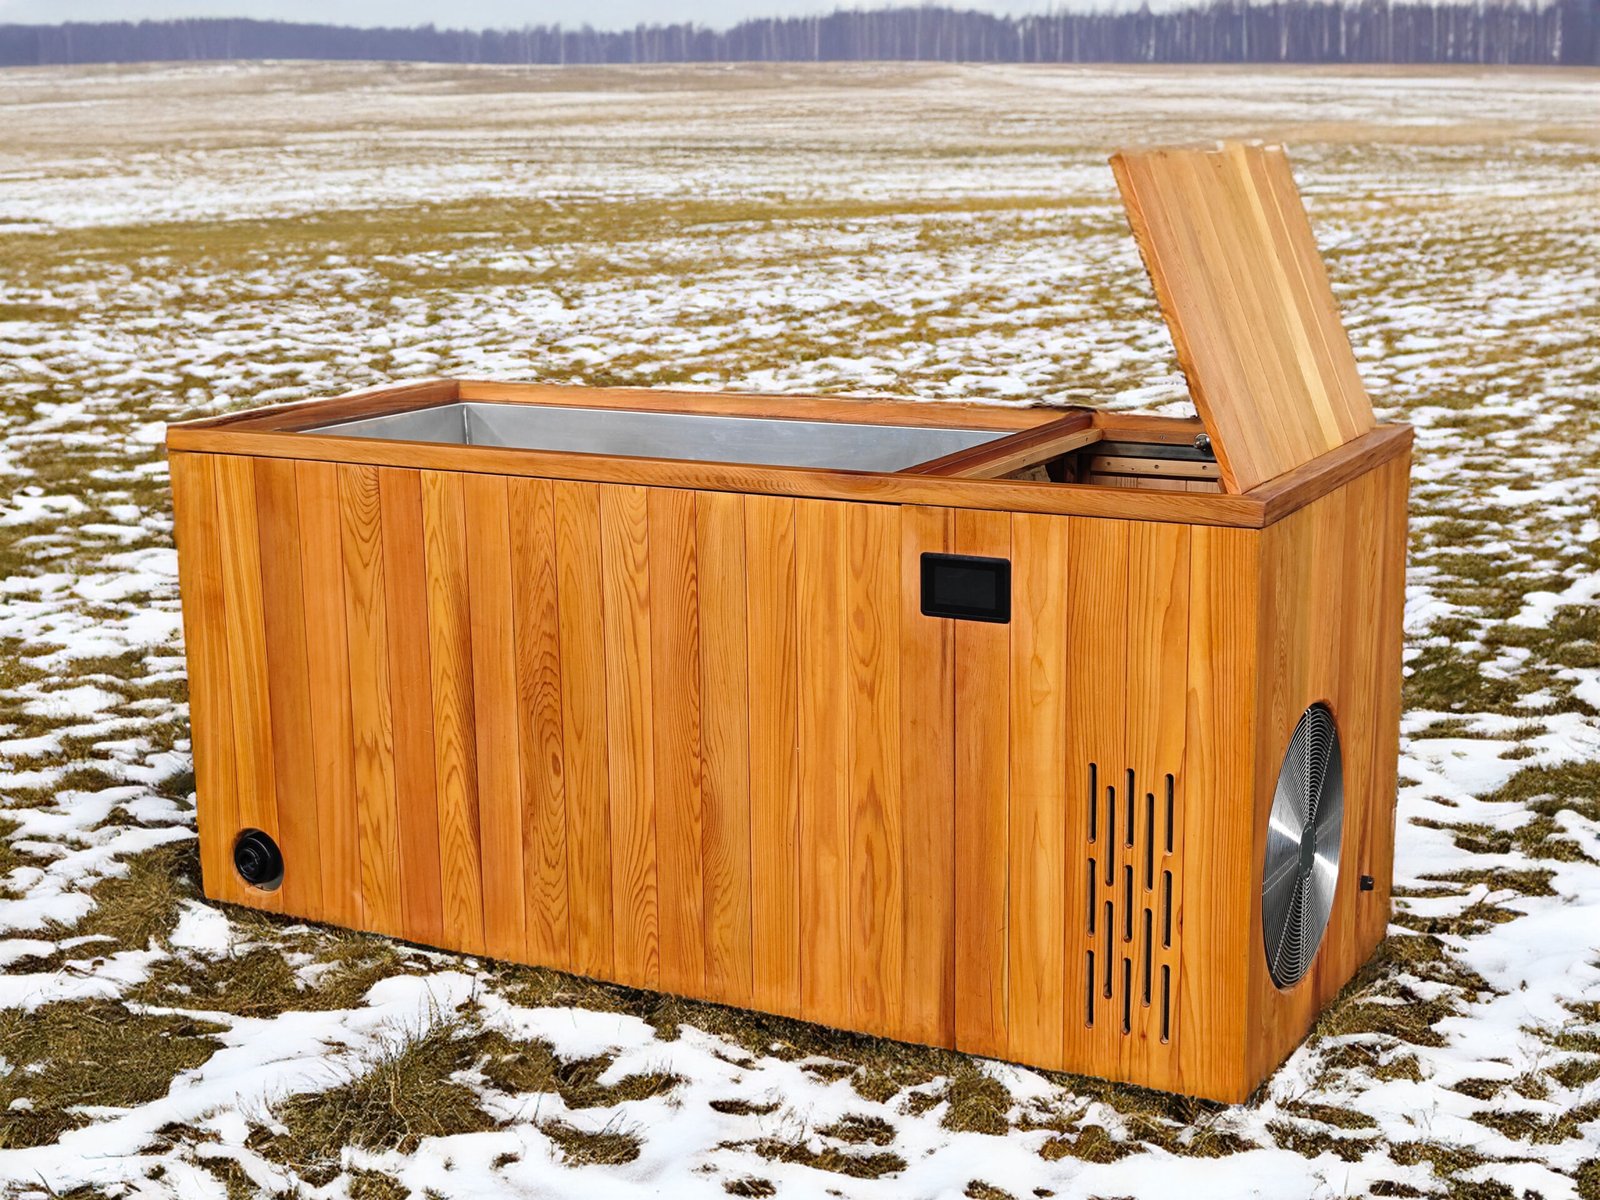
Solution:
(708, 743)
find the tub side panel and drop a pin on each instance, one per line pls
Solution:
(1333, 607)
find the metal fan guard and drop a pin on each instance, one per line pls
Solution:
(1304, 832)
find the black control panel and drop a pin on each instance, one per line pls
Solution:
(966, 588)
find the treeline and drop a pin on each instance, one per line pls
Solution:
(1560, 33)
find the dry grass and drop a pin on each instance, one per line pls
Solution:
(405, 1093)
(69, 1056)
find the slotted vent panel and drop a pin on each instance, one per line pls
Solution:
(1304, 832)
(1128, 920)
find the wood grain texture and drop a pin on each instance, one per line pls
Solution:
(1096, 614)
(823, 766)
(245, 638)
(584, 725)
(725, 746)
(772, 610)
(982, 797)
(288, 681)
(996, 495)
(1037, 926)
(674, 591)
(536, 636)
(366, 628)
(710, 742)
(1254, 322)
(927, 787)
(1215, 896)
(411, 704)
(876, 835)
(195, 528)
(630, 737)
(494, 705)
(333, 759)
(1157, 688)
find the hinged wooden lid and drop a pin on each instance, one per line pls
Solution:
(1244, 292)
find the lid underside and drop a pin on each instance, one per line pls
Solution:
(1246, 297)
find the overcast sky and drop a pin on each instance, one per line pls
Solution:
(480, 14)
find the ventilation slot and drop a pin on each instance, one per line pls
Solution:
(1166, 1004)
(1088, 991)
(1149, 841)
(1129, 919)
(1149, 953)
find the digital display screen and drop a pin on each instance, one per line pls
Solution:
(966, 588)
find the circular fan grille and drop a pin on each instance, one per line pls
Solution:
(1303, 835)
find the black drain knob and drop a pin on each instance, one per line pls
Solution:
(258, 860)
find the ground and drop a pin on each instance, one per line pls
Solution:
(177, 241)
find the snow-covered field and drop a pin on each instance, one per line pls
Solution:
(183, 240)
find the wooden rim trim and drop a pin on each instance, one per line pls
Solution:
(1007, 454)
(860, 410)
(307, 414)
(407, 397)
(940, 491)
(1296, 488)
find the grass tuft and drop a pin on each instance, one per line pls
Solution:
(609, 1146)
(405, 1093)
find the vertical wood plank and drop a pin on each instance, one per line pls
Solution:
(411, 705)
(1158, 661)
(494, 691)
(823, 762)
(630, 708)
(1097, 697)
(328, 662)
(583, 725)
(245, 632)
(725, 744)
(366, 627)
(983, 787)
(927, 787)
(877, 883)
(1037, 930)
(775, 849)
(675, 730)
(1216, 830)
(194, 506)
(536, 600)
(288, 684)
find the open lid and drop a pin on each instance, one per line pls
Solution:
(1243, 289)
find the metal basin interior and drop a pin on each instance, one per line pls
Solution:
(700, 437)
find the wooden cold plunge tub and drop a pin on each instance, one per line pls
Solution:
(956, 724)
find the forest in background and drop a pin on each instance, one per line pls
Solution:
(1501, 32)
